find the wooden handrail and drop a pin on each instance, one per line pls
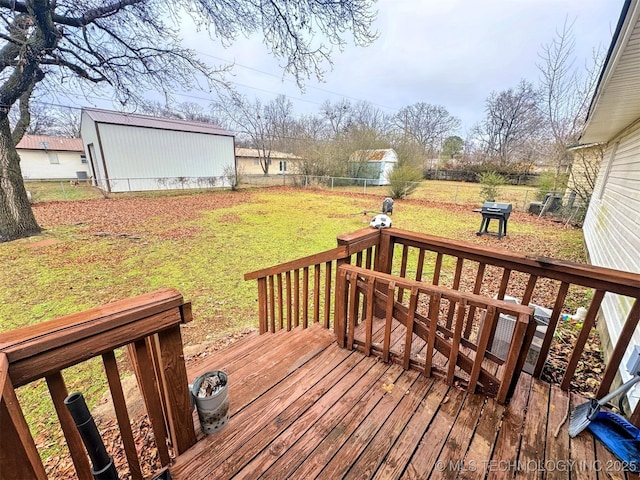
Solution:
(599, 278)
(309, 261)
(540, 272)
(378, 291)
(282, 303)
(150, 326)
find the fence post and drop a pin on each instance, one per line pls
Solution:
(331, 183)
(365, 186)
(64, 192)
(284, 179)
(524, 203)
(129, 183)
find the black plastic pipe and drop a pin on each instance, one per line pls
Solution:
(103, 467)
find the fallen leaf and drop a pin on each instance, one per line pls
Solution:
(388, 387)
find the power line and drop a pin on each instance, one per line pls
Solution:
(253, 69)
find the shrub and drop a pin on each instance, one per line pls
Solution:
(403, 181)
(489, 183)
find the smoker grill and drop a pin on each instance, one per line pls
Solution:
(494, 211)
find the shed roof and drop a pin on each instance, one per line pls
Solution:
(255, 153)
(43, 142)
(616, 102)
(147, 121)
(373, 155)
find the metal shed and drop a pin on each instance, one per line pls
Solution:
(131, 152)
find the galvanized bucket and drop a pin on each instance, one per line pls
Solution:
(213, 407)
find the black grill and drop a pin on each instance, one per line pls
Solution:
(494, 211)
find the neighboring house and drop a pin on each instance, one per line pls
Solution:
(373, 164)
(248, 162)
(130, 152)
(612, 224)
(583, 172)
(51, 158)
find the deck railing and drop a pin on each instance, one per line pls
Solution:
(149, 326)
(428, 333)
(288, 298)
(561, 286)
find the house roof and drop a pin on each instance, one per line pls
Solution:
(616, 101)
(43, 142)
(147, 121)
(372, 155)
(255, 153)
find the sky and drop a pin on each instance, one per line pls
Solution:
(444, 52)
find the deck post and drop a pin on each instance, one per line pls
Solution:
(18, 452)
(339, 319)
(384, 259)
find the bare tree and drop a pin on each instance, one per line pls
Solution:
(426, 124)
(263, 125)
(279, 113)
(133, 46)
(566, 90)
(337, 115)
(512, 126)
(584, 170)
(185, 111)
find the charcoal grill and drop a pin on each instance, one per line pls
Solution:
(494, 211)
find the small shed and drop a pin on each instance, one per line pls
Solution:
(51, 158)
(375, 165)
(131, 152)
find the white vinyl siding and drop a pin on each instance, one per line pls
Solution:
(612, 225)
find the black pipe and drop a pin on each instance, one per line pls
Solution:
(103, 467)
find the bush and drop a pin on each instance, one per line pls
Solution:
(403, 181)
(233, 177)
(489, 183)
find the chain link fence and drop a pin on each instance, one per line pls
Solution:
(565, 206)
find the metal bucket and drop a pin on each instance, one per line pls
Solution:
(213, 409)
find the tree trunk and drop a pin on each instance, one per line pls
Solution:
(16, 218)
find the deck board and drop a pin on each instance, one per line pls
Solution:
(301, 407)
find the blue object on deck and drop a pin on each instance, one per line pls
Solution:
(619, 436)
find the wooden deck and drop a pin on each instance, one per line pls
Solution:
(301, 407)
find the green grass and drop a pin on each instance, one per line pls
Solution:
(59, 191)
(83, 270)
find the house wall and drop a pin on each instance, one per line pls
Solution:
(251, 166)
(612, 225)
(36, 165)
(139, 158)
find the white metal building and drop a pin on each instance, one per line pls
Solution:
(51, 158)
(612, 224)
(131, 152)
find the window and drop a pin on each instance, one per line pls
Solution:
(283, 166)
(83, 159)
(53, 158)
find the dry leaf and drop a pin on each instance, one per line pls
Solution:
(388, 387)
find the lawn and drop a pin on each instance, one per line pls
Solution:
(99, 250)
